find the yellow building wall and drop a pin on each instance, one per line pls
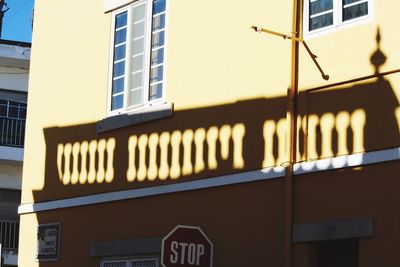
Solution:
(213, 58)
(69, 76)
(345, 53)
(28, 237)
(357, 108)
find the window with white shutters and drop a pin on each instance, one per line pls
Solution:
(137, 70)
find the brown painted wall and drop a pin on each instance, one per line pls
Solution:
(245, 221)
(242, 221)
(370, 191)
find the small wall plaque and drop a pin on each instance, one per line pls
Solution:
(48, 242)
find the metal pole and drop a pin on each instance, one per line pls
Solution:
(292, 142)
(1, 254)
(1, 16)
(284, 36)
(2, 12)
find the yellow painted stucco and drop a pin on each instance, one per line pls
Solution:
(345, 53)
(27, 248)
(213, 58)
(224, 60)
(68, 75)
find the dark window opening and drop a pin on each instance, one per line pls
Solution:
(337, 253)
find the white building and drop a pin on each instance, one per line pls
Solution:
(14, 73)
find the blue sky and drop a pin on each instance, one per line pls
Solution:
(17, 21)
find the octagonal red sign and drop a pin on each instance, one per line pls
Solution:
(186, 246)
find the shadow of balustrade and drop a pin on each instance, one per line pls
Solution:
(219, 140)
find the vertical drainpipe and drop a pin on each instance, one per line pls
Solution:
(292, 142)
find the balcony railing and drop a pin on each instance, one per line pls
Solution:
(9, 234)
(12, 132)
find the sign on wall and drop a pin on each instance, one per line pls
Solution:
(48, 242)
(186, 246)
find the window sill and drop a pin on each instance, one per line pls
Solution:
(126, 247)
(128, 119)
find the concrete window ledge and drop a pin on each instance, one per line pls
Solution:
(126, 247)
(129, 119)
(333, 230)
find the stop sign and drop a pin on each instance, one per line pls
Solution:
(186, 246)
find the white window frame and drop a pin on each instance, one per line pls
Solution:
(338, 22)
(146, 105)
